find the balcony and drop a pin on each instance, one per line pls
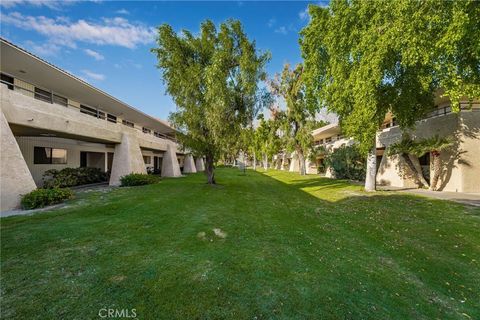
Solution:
(50, 97)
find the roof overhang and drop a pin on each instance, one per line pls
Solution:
(326, 131)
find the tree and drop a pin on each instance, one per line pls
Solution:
(213, 79)
(298, 118)
(406, 148)
(435, 146)
(364, 58)
(266, 139)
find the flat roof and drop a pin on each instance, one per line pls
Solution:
(26, 66)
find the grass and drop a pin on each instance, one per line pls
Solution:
(289, 247)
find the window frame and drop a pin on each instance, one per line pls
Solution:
(49, 157)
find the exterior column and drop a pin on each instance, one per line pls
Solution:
(170, 166)
(189, 164)
(284, 164)
(294, 163)
(126, 159)
(199, 164)
(16, 177)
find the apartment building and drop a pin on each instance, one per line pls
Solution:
(460, 164)
(51, 119)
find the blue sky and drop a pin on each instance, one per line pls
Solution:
(107, 43)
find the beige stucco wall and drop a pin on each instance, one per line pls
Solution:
(460, 165)
(16, 179)
(73, 147)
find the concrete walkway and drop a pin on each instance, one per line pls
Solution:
(461, 197)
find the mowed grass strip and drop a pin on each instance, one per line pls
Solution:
(265, 245)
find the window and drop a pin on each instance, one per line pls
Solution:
(327, 140)
(43, 95)
(92, 112)
(146, 130)
(7, 80)
(128, 123)
(157, 134)
(60, 100)
(146, 159)
(45, 155)
(111, 118)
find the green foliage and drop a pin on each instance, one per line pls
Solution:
(70, 177)
(405, 146)
(419, 147)
(364, 58)
(297, 121)
(44, 197)
(138, 179)
(347, 162)
(434, 144)
(213, 79)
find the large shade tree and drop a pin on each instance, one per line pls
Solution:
(365, 58)
(298, 117)
(213, 79)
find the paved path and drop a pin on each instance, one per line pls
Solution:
(462, 197)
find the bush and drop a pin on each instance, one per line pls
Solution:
(43, 197)
(347, 163)
(138, 179)
(70, 177)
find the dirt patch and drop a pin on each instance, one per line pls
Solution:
(118, 278)
(220, 233)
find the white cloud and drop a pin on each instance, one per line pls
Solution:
(93, 75)
(51, 4)
(110, 31)
(45, 49)
(281, 29)
(94, 54)
(271, 22)
(122, 11)
(303, 15)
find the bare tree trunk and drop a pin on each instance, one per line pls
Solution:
(209, 169)
(254, 161)
(371, 176)
(436, 170)
(265, 161)
(301, 162)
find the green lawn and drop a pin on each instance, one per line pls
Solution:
(289, 247)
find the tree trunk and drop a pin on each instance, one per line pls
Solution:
(371, 170)
(416, 170)
(255, 161)
(301, 162)
(436, 170)
(209, 169)
(265, 162)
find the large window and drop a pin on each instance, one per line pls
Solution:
(147, 159)
(7, 80)
(45, 155)
(43, 95)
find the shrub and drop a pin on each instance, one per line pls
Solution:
(70, 177)
(138, 179)
(43, 197)
(347, 163)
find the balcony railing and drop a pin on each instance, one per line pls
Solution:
(50, 97)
